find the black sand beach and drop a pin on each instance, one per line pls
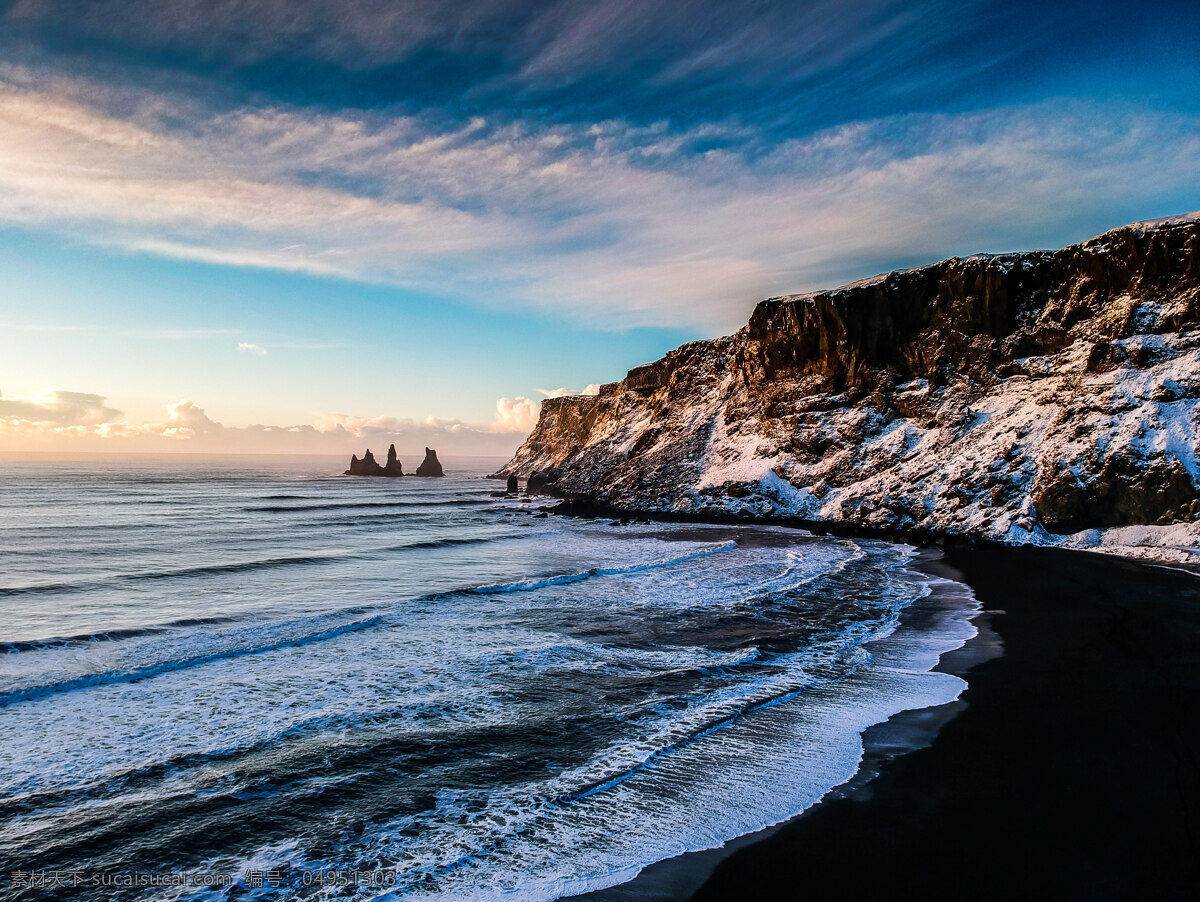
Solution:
(1073, 772)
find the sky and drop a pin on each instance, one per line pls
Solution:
(313, 225)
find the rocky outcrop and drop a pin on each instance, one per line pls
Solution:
(541, 481)
(393, 466)
(430, 466)
(368, 466)
(1044, 397)
(512, 486)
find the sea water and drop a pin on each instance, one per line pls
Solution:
(253, 678)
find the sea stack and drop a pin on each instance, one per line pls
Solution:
(512, 487)
(368, 466)
(393, 467)
(430, 466)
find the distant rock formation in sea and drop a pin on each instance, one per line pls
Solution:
(393, 467)
(430, 466)
(1048, 397)
(368, 466)
(512, 486)
(365, 467)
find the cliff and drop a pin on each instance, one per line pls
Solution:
(1042, 397)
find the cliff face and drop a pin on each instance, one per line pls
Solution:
(1037, 397)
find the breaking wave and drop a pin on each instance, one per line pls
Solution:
(568, 578)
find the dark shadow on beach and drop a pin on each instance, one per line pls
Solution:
(1071, 773)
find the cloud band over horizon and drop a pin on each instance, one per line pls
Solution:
(66, 421)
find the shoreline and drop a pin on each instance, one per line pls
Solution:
(903, 732)
(1185, 557)
(1070, 771)
(1068, 767)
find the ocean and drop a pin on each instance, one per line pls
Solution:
(242, 678)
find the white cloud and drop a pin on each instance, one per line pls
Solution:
(187, 414)
(592, 389)
(55, 407)
(251, 348)
(517, 415)
(615, 224)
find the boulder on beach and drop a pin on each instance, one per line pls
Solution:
(430, 466)
(540, 481)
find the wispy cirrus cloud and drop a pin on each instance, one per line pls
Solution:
(541, 41)
(355, 32)
(678, 39)
(617, 224)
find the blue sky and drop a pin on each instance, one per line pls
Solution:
(409, 220)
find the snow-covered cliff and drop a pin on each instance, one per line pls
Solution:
(1044, 397)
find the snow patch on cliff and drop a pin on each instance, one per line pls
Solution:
(733, 456)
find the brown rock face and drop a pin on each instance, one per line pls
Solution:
(1123, 490)
(369, 466)
(540, 481)
(430, 466)
(966, 317)
(1021, 397)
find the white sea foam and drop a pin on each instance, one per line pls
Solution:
(741, 776)
(742, 760)
(567, 578)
